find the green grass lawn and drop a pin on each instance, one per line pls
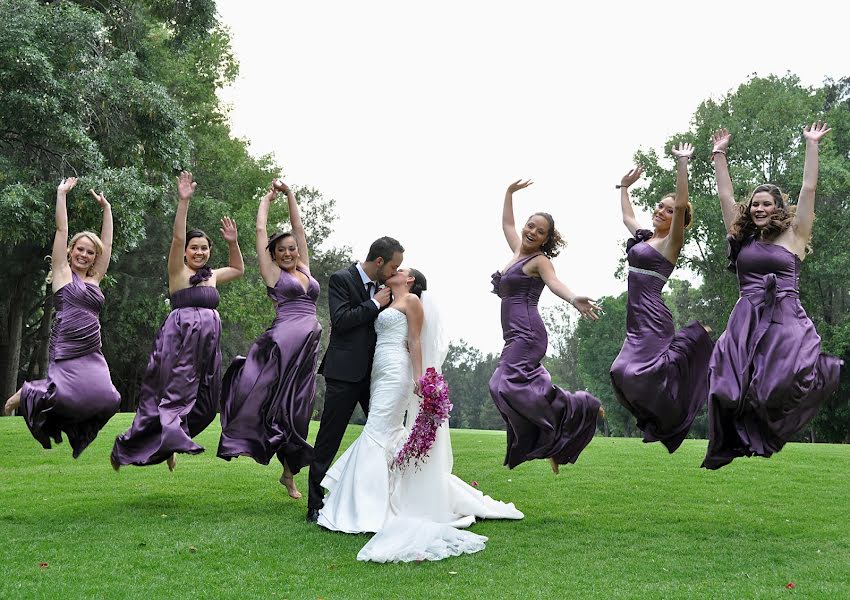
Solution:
(627, 520)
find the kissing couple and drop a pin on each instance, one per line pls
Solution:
(385, 332)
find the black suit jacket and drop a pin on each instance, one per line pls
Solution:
(352, 341)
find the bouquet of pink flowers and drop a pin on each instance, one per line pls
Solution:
(433, 411)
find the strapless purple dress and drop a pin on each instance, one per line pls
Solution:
(768, 376)
(180, 389)
(77, 397)
(267, 398)
(543, 421)
(660, 375)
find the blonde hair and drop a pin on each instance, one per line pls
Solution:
(98, 251)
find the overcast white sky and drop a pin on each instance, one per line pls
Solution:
(414, 117)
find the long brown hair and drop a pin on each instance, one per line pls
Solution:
(780, 220)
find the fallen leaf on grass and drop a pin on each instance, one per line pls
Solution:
(474, 484)
(452, 572)
(43, 565)
(790, 585)
(192, 549)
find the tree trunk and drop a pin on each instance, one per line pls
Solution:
(11, 325)
(42, 355)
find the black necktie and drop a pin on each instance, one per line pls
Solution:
(369, 287)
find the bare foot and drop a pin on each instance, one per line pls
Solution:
(12, 403)
(288, 482)
(115, 464)
(171, 462)
(556, 468)
(708, 329)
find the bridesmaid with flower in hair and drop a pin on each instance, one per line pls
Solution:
(660, 375)
(767, 375)
(180, 389)
(78, 397)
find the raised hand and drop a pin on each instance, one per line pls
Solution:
(815, 131)
(280, 186)
(100, 199)
(228, 230)
(185, 185)
(630, 177)
(721, 139)
(519, 184)
(586, 307)
(683, 150)
(66, 185)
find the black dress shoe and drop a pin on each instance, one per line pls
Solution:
(312, 515)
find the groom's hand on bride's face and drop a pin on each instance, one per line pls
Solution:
(383, 296)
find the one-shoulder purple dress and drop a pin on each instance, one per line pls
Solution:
(180, 389)
(543, 421)
(267, 398)
(78, 396)
(767, 376)
(660, 375)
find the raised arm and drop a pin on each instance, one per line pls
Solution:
(297, 225)
(508, 224)
(236, 267)
(343, 315)
(721, 139)
(676, 239)
(546, 271)
(185, 189)
(627, 181)
(59, 255)
(415, 318)
(102, 263)
(805, 216)
(268, 269)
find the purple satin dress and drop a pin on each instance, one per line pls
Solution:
(180, 389)
(78, 396)
(660, 375)
(767, 375)
(543, 421)
(267, 398)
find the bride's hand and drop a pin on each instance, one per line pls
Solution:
(416, 388)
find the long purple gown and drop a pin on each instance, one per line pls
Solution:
(660, 375)
(767, 374)
(543, 421)
(180, 389)
(78, 396)
(267, 398)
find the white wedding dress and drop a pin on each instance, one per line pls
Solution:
(415, 513)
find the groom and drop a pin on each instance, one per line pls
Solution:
(354, 302)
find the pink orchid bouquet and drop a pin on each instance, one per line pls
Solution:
(433, 411)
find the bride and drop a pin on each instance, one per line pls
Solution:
(415, 512)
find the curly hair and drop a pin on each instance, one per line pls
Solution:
(554, 243)
(780, 220)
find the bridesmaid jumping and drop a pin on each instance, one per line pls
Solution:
(542, 420)
(267, 398)
(77, 397)
(180, 389)
(660, 375)
(767, 375)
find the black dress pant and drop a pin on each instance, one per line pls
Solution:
(340, 399)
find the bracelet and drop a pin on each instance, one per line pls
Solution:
(618, 186)
(713, 152)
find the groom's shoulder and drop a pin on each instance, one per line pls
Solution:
(344, 273)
